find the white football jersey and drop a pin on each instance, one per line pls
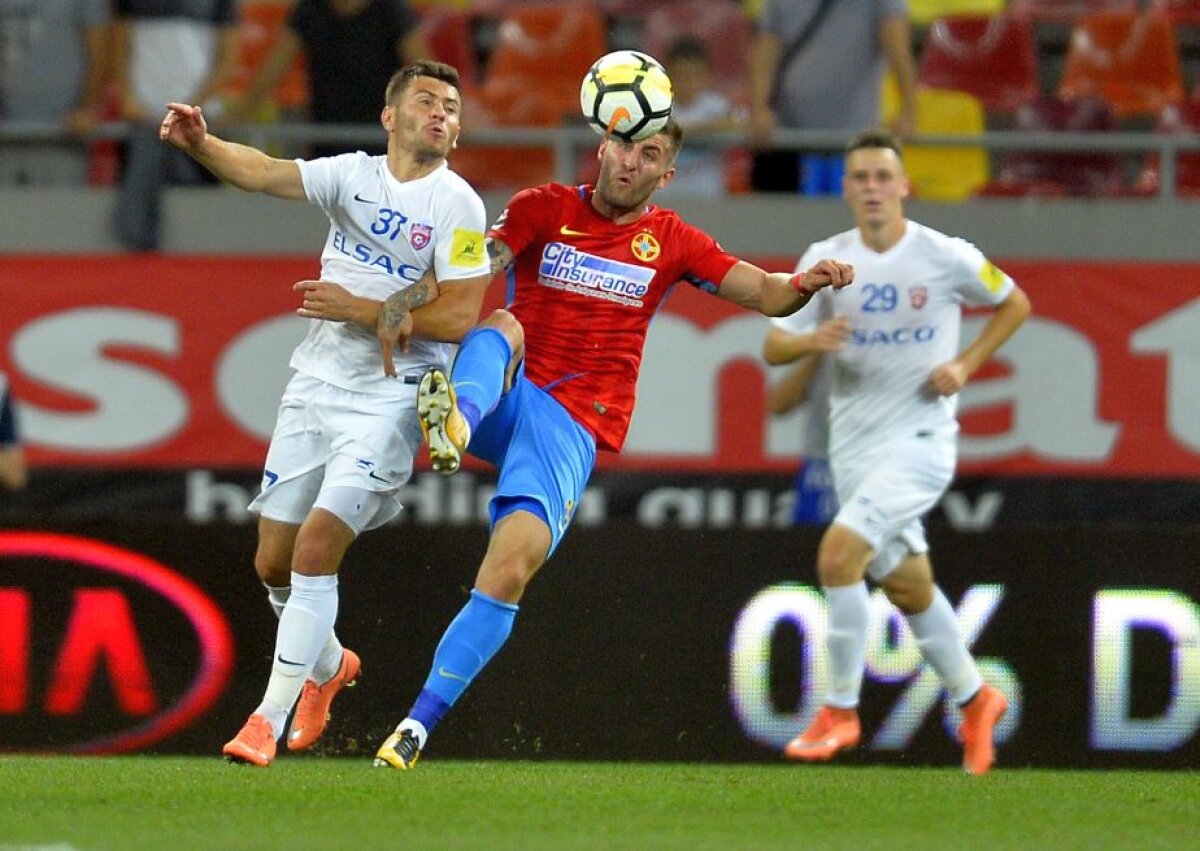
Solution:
(384, 235)
(905, 312)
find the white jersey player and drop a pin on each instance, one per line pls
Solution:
(346, 434)
(897, 370)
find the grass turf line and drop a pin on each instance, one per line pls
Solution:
(184, 803)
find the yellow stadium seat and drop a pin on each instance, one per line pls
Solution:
(927, 11)
(938, 172)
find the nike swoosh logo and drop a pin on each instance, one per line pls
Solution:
(566, 231)
(358, 197)
(289, 661)
(379, 478)
(450, 675)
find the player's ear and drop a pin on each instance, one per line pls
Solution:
(388, 118)
(667, 177)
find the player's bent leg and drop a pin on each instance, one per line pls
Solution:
(446, 431)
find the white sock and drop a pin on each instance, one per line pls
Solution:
(304, 626)
(846, 640)
(416, 728)
(330, 660)
(942, 645)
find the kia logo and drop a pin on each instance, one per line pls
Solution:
(94, 637)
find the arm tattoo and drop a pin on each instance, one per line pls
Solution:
(500, 254)
(398, 305)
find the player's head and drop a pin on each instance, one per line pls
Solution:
(422, 107)
(630, 172)
(875, 184)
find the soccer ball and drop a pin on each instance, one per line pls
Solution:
(629, 91)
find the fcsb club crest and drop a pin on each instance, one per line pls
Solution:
(420, 235)
(917, 296)
(645, 247)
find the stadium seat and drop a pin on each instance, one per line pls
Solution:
(1054, 174)
(259, 27)
(1185, 119)
(1066, 11)
(993, 58)
(923, 12)
(939, 172)
(1185, 12)
(448, 34)
(539, 57)
(1129, 59)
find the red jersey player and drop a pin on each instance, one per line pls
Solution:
(536, 389)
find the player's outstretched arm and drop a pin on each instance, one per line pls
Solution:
(780, 293)
(240, 165)
(950, 377)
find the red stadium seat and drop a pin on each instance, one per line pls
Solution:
(1185, 119)
(1066, 11)
(1061, 174)
(1131, 60)
(260, 25)
(448, 34)
(1185, 12)
(540, 55)
(993, 58)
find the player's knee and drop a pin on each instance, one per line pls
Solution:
(910, 594)
(842, 557)
(505, 579)
(508, 325)
(273, 567)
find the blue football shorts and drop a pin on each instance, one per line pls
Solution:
(544, 456)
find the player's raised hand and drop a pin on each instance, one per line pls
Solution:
(828, 273)
(183, 126)
(394, 329)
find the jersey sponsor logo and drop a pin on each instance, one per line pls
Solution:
(645, 247)
(918, 296)
(565, 267)
(370, 255)
(892, 336)
(991, 276)
(466, 248)
(420, 235)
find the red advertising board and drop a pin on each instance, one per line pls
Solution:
(177, 362)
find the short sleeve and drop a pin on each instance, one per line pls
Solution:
(323, 177)
(460, 249)
(977, 281)
(518, 224)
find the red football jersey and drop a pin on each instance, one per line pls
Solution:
(585, 290)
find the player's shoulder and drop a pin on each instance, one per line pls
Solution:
(452, 183)
(935, 241)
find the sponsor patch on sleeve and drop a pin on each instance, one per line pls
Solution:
(991, 276)
(466, 248)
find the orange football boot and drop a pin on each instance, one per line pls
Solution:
(980, 717)
(833, 730)
(312, 710)
(254, 744)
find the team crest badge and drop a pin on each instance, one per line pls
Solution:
(645, 247)
(420, 235)
(917, 296)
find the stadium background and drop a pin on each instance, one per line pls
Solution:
(130, 620)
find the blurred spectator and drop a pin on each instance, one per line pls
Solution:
(165, 50)
(353, 47)
(13, 473)
(699, 107)
(817, 65)
(53, 57)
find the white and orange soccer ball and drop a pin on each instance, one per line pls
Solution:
(627, 94)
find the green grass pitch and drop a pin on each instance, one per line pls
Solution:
(184, 803)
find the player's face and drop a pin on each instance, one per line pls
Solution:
(630, 172)
(875, 186)
(425, 118)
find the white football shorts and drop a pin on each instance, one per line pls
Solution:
(885, 493)
(329, 442)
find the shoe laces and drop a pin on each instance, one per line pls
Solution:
(407, 747)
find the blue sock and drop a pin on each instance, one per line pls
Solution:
(478, 375)
(469, 643)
